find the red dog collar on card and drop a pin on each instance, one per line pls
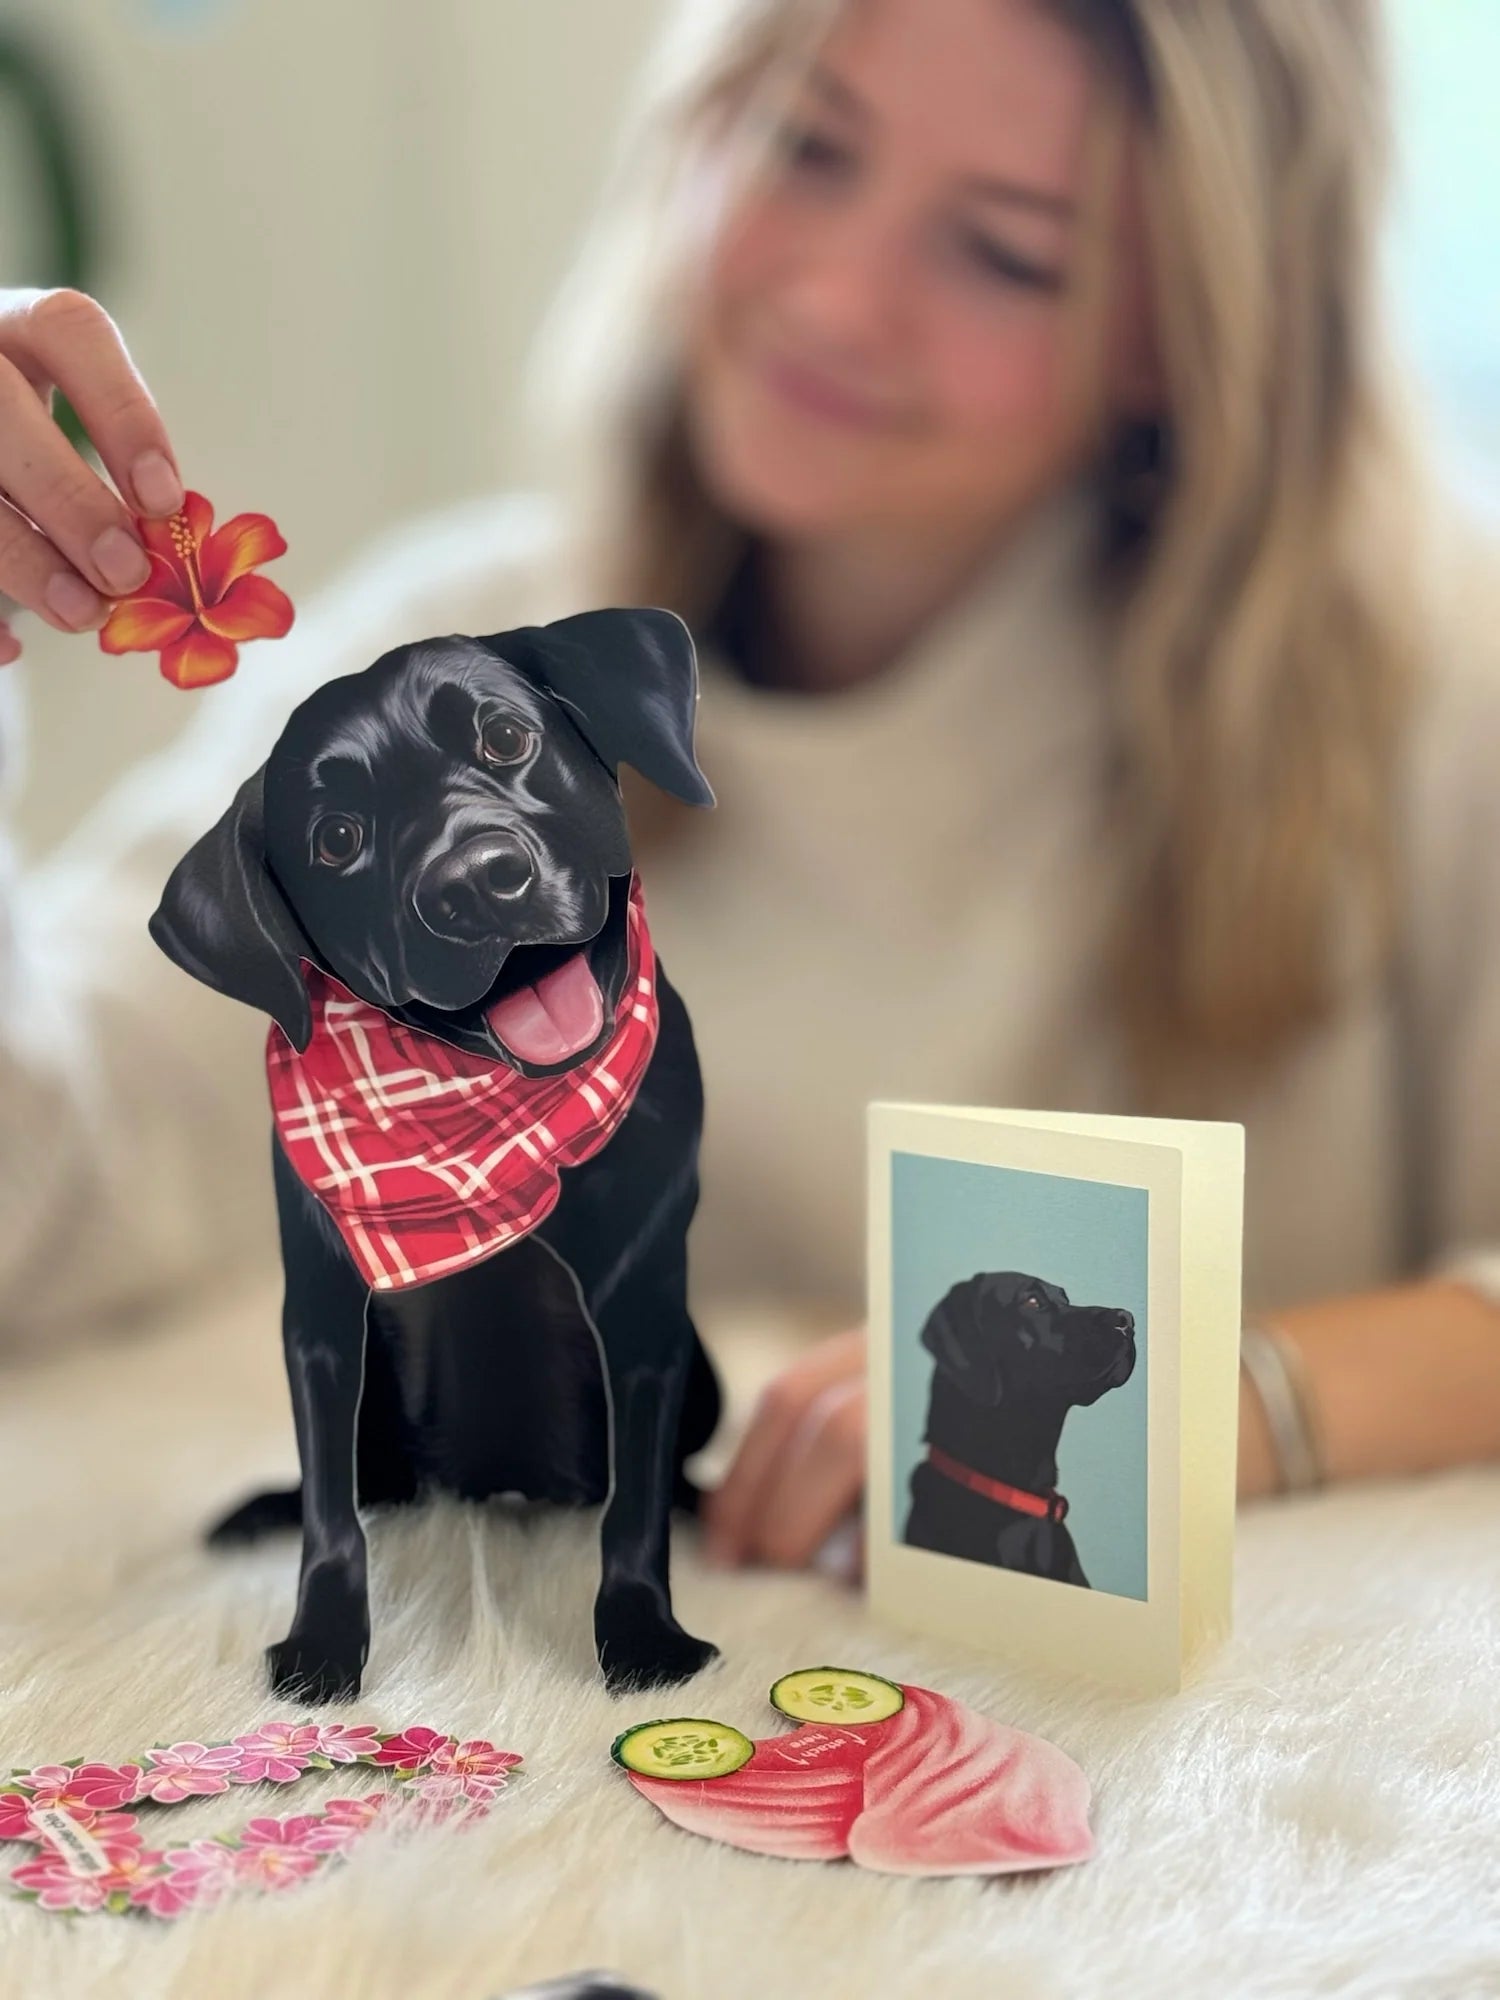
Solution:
(428, 1158)
(1046, 1506)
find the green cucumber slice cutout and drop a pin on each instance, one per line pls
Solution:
(836, 1694)
(682, 1747)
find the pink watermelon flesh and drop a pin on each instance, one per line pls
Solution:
(948, 1792)
(797, 1797)
(933, 1790)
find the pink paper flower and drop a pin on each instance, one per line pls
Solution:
(452, 1776)
(358, 1812)
(341, 1823)
(56, 1887)
(189, 1770)
(413, 1748)
(163, 1896)
(273, 1853)
(85, 1788)
(277, 1751)
(438, 1798)
(111, 1827)
(345, 1743)
(440, 1775)
(196, 1875)
(476, 1762)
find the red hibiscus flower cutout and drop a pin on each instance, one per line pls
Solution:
(202, 599)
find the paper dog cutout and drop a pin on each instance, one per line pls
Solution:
(1013, 1356)
(487, 1106)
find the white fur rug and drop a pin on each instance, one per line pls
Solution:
(1320, 1815)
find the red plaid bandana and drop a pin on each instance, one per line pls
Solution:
(429, 1158)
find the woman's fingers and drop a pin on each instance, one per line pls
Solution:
(10, 645)
(732, 1513)
(44, 477)
(67, 543)
(728, 1510)
(70, 340)
(37, 577)
(817, 1481)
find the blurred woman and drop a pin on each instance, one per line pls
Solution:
(1098, 694)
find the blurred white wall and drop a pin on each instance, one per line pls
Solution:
(333, 226)
(1445, 240)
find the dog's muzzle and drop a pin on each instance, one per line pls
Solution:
(1111, 1345)
(461, 896)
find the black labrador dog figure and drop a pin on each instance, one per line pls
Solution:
(487, 1107)
(1013, 1356)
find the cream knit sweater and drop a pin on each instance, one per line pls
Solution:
(900, 894)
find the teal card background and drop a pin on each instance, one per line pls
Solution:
(952, 1218)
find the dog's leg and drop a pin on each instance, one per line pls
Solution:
(639, 1641)
(323, 1333)
(647, 1343)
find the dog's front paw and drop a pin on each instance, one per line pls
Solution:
(309, 1672)
(636, 1652)
(676, 1658)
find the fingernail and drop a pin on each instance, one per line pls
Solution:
(123, 563)
(157, 486)
(73, 601)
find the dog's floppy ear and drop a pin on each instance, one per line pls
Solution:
(955, 1338)
(629, 681)
(223, 919)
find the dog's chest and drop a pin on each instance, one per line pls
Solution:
(489, 1381)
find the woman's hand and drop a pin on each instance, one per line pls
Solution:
(67, 543)
(800, 1468)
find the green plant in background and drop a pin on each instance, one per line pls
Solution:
(33, 98)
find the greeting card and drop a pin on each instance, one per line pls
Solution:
(1054, 1313)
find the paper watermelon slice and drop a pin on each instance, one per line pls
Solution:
(948, 1792)
(797, 1797)
(933, 1789)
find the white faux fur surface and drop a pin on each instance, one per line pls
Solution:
(1319, 1815)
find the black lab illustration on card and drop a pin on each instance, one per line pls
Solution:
(1012, 1356)
(487, 1107)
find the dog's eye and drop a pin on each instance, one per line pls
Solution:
(1031, 1299)
(337, 840)
(502, 741)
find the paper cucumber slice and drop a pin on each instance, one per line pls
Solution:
(683, 1747)
(836, 1694)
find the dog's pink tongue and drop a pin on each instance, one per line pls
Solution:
(555, 1018)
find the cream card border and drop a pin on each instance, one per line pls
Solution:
(1193, 1175)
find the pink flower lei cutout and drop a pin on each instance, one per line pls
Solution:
(92, 1856)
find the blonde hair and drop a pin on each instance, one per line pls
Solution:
(1265, 624)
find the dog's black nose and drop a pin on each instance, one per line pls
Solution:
(1124, 1322)
(461, 893)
